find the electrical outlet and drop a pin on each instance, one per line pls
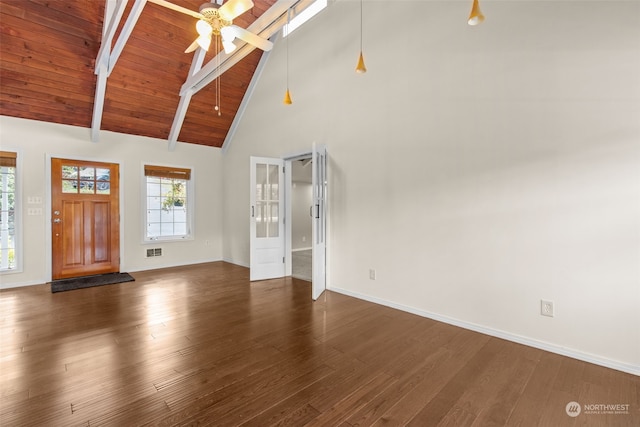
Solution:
(372, 274)
(546, 308)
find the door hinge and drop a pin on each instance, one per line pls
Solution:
(283, 260)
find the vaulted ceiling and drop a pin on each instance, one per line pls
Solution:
(48, 52)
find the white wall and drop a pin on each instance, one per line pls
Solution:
(35, 141)
(478, 170)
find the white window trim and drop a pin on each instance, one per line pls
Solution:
(191, 190)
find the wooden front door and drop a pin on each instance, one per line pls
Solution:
(85, 218)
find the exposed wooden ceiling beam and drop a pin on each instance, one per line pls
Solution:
(113, 11)
(107, 58)
(132, 19)
(183, 105)
(98, 103)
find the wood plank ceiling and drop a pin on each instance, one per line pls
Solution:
(48, 50)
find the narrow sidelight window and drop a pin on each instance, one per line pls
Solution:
(8, 251)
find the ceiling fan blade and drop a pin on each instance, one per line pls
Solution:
(233, 31)
(193, 46)
(177, 8)
(234, 8)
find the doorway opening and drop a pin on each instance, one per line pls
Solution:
(310, 204)
(271, 225)
(301, 219)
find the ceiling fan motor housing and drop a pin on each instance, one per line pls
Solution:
(213, 18)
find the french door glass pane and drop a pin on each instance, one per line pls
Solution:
(267, 200)
(273, 220)
(273, 181)
(261, 181)
(261, 222)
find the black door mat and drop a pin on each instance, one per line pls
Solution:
(89, 281)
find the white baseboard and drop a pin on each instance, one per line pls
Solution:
(542, 345)
(230, 261)
(21, 284)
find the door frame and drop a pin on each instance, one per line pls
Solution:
(48, 204)
(288, 191)
(288, 160)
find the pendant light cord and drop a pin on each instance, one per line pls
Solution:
(361, 26)
(288, 21)
(361, 68)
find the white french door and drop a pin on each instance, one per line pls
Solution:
(319, 211)
(267, 219)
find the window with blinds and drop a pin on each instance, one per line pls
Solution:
(167, 195)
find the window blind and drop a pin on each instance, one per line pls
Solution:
(167, 172)
(8, 159)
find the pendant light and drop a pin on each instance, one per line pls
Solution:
(475, 17)
(287, 94)
(287, 98)
(360, 68)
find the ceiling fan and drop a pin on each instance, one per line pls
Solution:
(217, 20)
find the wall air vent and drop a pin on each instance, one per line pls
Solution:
(154, 252)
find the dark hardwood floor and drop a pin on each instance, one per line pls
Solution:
(201, 345)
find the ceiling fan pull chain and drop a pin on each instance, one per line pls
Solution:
(217, 106)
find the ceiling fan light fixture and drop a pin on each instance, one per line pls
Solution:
(204, 42)
(475, 17)
(228, 36)
(203, 28)
(228, 46)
